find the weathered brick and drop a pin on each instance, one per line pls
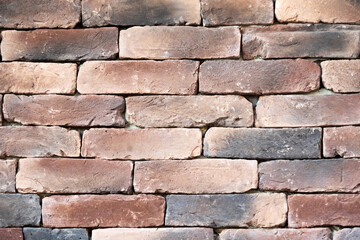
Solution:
(18, 210)
(329, 11)
(29, 78)
(347, 234)
(341, 141)
(296, 41)
(259, 77)
(140, 12)
(60, 44)
(263, 143)
(7, 175)
(308, 110)
(233, 12)
(55, 234)
(73, 176)
(103, 211)
(1, 104)
(138, 77)
(153, 234)
(231, 210)
(65, 110)
(341, 75)
(276, 234)
(322, 210)
(189, 111)
(195, 176)
(39, 13)
(162, 42)
(139, 144)
(330, 175)
(11, 234)
(39, 142)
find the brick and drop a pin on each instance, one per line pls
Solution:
(140, 12)
(20, 141)
(162, 42)
(308, 110)
(103, 211)
(1, 104)
(63, 176)
(330, 175)
(231, 210)
(17, 210)
(7, 175)
(341, 75)
(138, 77)
(257, 143)
(11, 234)
(209, 176)
(189, 111)
(298, 41)
(55, 234)
(237, 12)
(341, 141)
(153, 233)
(259, 77)
(39, 13)
(37, 78)
(60, 44)
(65, 110)
(330, 11)
(137, 144)
(322, 210)
(347, 234)
(276, 234)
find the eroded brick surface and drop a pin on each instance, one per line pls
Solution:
(11, 233)
(55, 234)
(341, 141)
(7, 175)
(347, 234)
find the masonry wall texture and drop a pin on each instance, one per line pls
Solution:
(179, 120)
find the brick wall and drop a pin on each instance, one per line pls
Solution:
(180, 120)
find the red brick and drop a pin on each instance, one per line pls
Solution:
(139, 144)
(103, 211)
(58, 175)
(7, 175)
(11, 234)
(329, 11)
(189, 111)
(138, 77)
(130, 13)
(1, 104)
(322, 210)
(29, 78)
(341, 75)
(39, 142)
(162, 42)
(236, 12)
(259, 77)
(341, 141)
(65, 110)
(209, 176)
(308, 110)
(60, 44)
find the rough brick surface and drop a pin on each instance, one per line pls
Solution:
(330, 175)
(35, 78)
(139, 12)
(195, 176)
(341, 75)
(17, 210)
(153, 234)
(347, 234)
(60, 44)
(103, 211)
(138, 77)
(262, 143)
(163, 42)
(189, 111)
(55, 234)
(65, 110)
(232, 210)
(7, 175)
(11, 234)
(341, 141)
(308, 110)
(139, 144)
(73, 176)
(259, 77)
(321, 210)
